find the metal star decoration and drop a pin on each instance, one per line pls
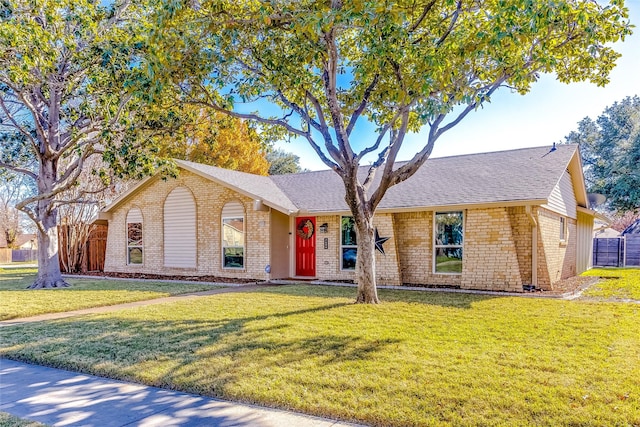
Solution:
(380, 241)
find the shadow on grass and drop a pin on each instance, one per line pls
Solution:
(209, 357)
(439, 298)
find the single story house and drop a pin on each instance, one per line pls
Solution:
(501, 221)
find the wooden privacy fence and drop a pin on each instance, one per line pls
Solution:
(621, 251)
(92, 252)
(8, 255)
(5, 255)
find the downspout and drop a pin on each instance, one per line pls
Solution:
(534, 245)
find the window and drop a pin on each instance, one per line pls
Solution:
(134, 237)
(348, 243)
(563, 229)
(448, 235)
(233, 235)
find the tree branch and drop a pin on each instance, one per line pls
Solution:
(363, 104)
(19, 170)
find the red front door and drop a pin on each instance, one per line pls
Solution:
(306, 246)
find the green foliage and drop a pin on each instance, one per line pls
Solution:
(72, 66)
(282, 162)
(610, 148)
(427, 56)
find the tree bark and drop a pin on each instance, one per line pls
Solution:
(366, 262)
(49, 275)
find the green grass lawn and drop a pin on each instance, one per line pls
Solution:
(622, 283)
(419, 358)
(7, 420)
(84, 293)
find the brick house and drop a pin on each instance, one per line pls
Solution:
(496, 221)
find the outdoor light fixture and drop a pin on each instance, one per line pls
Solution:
(324, 228)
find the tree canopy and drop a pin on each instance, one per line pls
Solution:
(324, 66)
(610, 148)
(66, 72)
(210, 137)
(282, 162)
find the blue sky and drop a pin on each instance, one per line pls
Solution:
(545, 115)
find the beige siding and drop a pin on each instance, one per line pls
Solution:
(280, 243)
(563, 198)
(134, 215)
(180, 229)
(233, 209)
(584, 251)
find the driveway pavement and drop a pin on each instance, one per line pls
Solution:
(62, 398)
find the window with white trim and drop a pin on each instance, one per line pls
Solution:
(233, 235)
(348, 243)
(135, 247)
(564, 232)
(448, 233)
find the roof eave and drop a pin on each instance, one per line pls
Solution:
(124, 196)
(402, 209)
(577, 178)
(223, 183)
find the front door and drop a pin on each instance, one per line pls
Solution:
(305, 246)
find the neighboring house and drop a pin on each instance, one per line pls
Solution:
(467, 221)
(632, 229)
(23, 241)
(26, 241)
(602, 229)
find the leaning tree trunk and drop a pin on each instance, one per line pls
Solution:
(49, 275)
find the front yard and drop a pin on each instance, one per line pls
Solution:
(419, 358)
(19, 302)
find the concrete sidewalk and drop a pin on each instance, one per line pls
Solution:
(62, 398)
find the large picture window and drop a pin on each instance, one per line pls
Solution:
(348, 243)
(448, 235)
(135, 246)
(233, 235)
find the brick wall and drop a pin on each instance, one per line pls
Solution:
(328, 260)
(490, 257)
(210, 198)
(414, 234)
(496, 252)
(556, 259)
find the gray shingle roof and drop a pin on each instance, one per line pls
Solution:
(256, 186)
(528, 174)
(504, 176)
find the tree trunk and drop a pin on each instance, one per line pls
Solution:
(49, 275)
(366, 261)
